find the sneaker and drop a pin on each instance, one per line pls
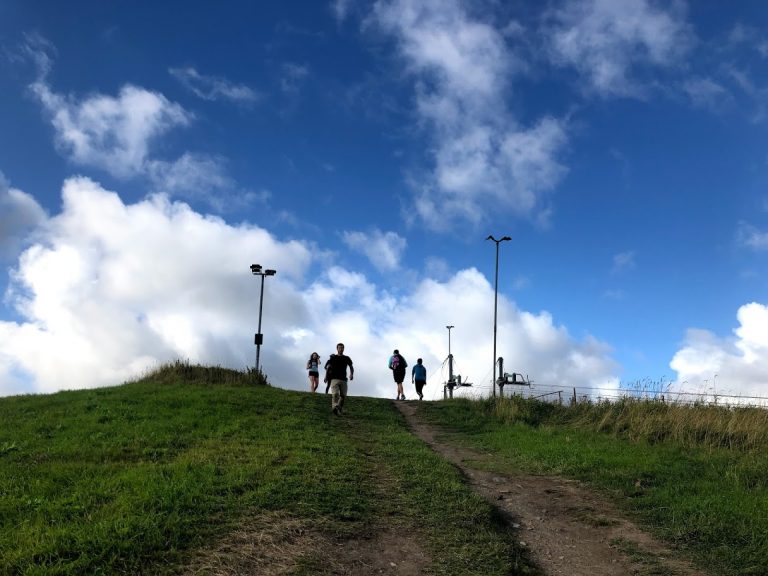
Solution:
(403, 396)
(336, 410)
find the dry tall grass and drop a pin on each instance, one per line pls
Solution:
(739, 428)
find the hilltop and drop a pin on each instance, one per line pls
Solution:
(202, 470)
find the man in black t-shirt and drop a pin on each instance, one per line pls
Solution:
(336, 369)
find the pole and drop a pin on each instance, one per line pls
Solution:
(496, 305)
(258, 336)
(495, 315)
(450, 383)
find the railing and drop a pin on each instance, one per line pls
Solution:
(570, 394)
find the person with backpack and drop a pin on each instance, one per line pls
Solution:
(398, 365)
(419, 377)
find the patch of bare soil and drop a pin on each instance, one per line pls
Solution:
(568, 529)
(276, 544)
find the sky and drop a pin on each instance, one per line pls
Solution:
(365, 150)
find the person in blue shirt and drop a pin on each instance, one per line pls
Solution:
(419, 377)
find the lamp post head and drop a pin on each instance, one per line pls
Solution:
(270, 272)
(504, 239)
(255, 268)
(449, 327)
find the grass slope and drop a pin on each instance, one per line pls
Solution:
(696, 476)
(135, 479)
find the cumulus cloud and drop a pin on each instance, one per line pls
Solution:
(383, 249)
(19, 215)
(611, 42)
(116, 134)
(735, 365)
(214, 87)
(483, 159)
(110, 289)
(110, 133)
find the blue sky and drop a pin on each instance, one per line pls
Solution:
(150, 153)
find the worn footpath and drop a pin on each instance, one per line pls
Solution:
(569, 529)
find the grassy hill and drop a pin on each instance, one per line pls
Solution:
(166, 474)
(695, 476)
(196, 470)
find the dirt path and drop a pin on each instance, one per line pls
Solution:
(569, 529)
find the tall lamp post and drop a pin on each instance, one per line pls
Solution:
(451, 384)
(259, 337)
(495, 305)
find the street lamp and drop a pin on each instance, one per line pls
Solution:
(259, 337)
(495, 305)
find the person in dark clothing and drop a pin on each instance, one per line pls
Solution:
(398, 365)
(336, 374)
(419, 377)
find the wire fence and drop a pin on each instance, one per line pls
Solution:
(646, 389)
(667, 394)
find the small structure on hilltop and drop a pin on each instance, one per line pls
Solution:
(514, 378)
(454, 381)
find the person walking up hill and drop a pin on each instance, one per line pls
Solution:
(398, 365)
(419, 377)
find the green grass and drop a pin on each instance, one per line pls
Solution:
(707, 499)
(137, 478)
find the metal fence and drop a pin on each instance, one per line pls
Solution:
(631, 390)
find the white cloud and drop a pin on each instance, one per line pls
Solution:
(706, 93)
(383, 249)
(214, 87)
(111, 289)
(19, 215)
(340, 9)
(749, 236)
(611, 41)
(740, 362)
(483, 160)
(203, 178)
(116, 134)
(113, 134)
(623, 261)
(293, 77)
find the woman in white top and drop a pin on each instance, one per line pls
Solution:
(314, 371)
